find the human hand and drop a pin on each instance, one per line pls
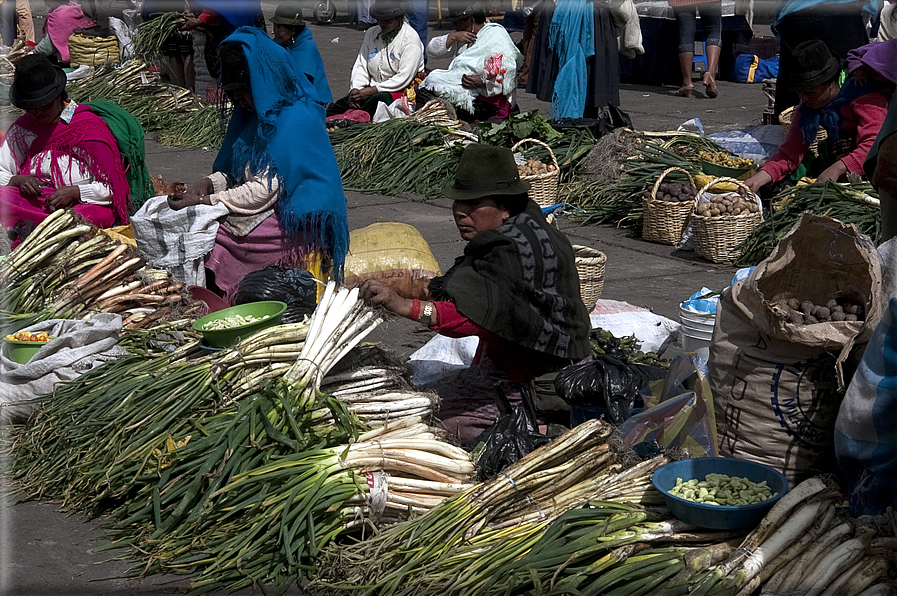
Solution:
(29, 186)
(472, 81)
(64, 197)
(179, 200)
(833, 173)
(192, 23)
(462, 37)
(378, 293)
(757, 181)
(203, 187)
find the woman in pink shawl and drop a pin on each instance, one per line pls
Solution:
(63, 17)
(58, 155)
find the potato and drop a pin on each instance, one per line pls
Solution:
(850, 317)
(807, 307)
(821, 313)
(838, 315)
(831, 303)
(795, 317)
(793, 303)
(810, 320)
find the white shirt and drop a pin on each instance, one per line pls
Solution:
(389, 69)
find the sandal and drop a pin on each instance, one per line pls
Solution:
(685, 91)
(711, 89)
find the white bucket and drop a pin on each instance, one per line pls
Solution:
(695, 332)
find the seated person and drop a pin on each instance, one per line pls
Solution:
(515, 287)
(290, 32)
(481, 81)
(284, 196)
(58, 154)
(390, 58)
(63, 17)
(851, 114)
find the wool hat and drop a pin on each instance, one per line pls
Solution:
(463, 9)
(387, 10)
(485, 171)
(37, 82)
(288, 14)
(814, 64)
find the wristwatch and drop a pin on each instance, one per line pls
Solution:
(426, 315)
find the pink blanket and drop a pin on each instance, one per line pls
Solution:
(14, 208)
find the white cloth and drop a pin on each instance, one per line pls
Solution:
(887, 27)
(177, 241)
(626, 24)
(388, 68)
(78, 347)
(73, 171)
(439, 47)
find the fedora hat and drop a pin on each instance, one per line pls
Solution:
(37, 82)
(288, 14)
(462, 9)
(485, 171)
(814, 64)
(387, 10)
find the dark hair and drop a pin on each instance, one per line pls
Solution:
(234, 68)
(479, 17)
(515, 204)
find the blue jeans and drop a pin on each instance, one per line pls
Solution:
(8, 22)
(418, 14)
(711, 17)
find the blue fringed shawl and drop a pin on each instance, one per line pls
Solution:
(829, 117)
(571, 36)
(290, 142)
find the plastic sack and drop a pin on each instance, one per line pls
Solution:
(508, 440)
(608, 381)
(394, 253)
(757, 142)
(296, 287)
(653, 331)
(679, 412)
(441, 355)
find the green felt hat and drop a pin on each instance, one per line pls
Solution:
(288, 14)
(485, 171)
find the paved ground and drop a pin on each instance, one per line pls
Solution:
(45, 553)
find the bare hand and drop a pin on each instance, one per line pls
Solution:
(64, 197)
(192, 23)
(462, 37)
(203, 187)
(833, 173)
(472, 81)
(358, 96)
(757, 181)
(378, 293)
(179, 200)
(29, 186)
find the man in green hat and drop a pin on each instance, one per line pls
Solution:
(516, 285)
(291, 33)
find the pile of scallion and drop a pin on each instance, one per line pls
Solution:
(68, 269)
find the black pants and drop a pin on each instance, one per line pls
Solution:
(370, 104)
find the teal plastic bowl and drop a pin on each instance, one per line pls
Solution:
(715, 169)
(718, 517)
(222, 338)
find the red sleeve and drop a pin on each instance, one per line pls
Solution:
(865, 114)
(209, 17)
(451, 323)
(789, 154)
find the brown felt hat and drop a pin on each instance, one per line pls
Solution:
(814, 64)
(485, 171)
(462, 9)
(387, 10)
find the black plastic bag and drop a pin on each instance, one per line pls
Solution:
(609, 118)
(296, 287)
(510, 438)
(608, 381)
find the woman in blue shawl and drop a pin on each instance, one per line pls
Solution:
(284, 195)
(290, 32)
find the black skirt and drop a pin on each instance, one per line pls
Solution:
(603, 68)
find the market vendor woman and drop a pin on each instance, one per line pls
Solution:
(58, 154)
(516, 285)
(851, 115)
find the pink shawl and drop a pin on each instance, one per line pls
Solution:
(87, 138)
(60, 25)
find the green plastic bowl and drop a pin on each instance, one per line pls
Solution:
(21, 352)
(222, 338)
(715, 169)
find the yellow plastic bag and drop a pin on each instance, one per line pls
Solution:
(123, 234)
(392, 252)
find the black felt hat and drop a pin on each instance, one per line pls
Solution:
(387, 10)
(288, 14)
(37, 82)
(463, 9)
(814, 64)
(485, 171)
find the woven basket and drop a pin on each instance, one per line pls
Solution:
(821, 134)
(92, 51)
(663, 221)
(590, 267)
(716, 237)
(543, 188)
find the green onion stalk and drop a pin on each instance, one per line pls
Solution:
(152, 34)
(854, 203)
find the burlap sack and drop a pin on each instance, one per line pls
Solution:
(394, 253)
(776, 386)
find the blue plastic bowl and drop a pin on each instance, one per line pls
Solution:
(718, 517)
